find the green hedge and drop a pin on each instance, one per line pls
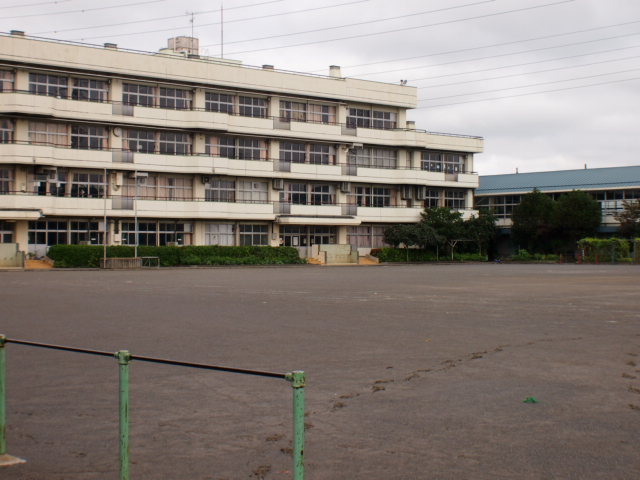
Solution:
(605, 249)
(416, 255)
(525, 256)
(88, 256)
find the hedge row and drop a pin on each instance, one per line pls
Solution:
(418, 255)
(88, 256)
(605, 249)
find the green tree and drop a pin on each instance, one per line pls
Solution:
(407, 235)
(446, 224)
(576, 215)
(629, 218)
(481, 229)
(532, 222)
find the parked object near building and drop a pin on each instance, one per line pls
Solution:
(105, 145)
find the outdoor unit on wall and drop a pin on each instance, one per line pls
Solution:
(278, 183)
(421, 192)
(406, 192)
(345, 187)
(206, 179)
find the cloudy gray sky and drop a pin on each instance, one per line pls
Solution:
(549, 84)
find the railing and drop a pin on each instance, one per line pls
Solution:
(124, 357)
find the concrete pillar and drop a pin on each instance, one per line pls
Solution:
(22, 235)
(341, 234)
(115, 93)
(198, 99)
(21, 80)
(198, 237)
(401, 118)
(274, 107)
(199, 143)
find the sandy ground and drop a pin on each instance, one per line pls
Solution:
(414, 372)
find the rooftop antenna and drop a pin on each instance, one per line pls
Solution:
(192, 34)
(221, 30)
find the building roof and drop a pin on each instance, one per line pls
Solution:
(561, 180)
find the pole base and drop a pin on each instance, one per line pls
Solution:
(7, 460)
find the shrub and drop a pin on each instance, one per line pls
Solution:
(604, 249)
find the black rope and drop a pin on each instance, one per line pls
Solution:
(178, 363)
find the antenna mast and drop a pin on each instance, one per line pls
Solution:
(221, 30)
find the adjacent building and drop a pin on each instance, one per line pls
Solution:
(98, 144)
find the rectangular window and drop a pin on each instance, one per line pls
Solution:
(146, 187)
(48, 134)
(174, 188)
(372, 196)
(176, 98)
(218, 102)
(384, 120)
(432, 199)
(6, 180)
(322, 195)
(143, 141)
(88, 185)
(320, 154)
(453, 163)
(293, 111)
(322, 114)
(82, 231)
(292, 152)
(220, 146)
(359, 117)
(252, 106)
(252, 149)
(6, 81)
(431, 162)
(373, 157)
(321, 235)
(89, 90)
(254, 235)
(50, 182)
(454, 199)
(134, 94)
(296, 193)
(48, 232)
(50, 85)
(252, 192)
(174, 233)
(366, 236)
(6, 130)
(6, 231)
(147, 233)
(503, 205)
(365, 118)
(219, 234)
(173, 143)
(88, 137)
(220, 190)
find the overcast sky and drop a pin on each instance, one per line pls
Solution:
(549, 84)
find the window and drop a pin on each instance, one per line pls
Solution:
(359, 117)
(292, 152)
(49, 182)
(384, 120)
(85, 232)
(321, 235)
(322, 114)
(431, 162)
(134, 94)
(220, 146)
(6, 81)
(219, 234)
(6, 130)
(88, 185)
(252, 192)
(6, 232)
(220, 190)
(320, 154)
(366, 236)
(295, 193)
(254, 235)
(372, 196)
(51, 85)
(174, 188)
(146, 188)
(295, 111)
(89, 90)
(176, 98)
(174, 233)
(503, 205)
(432, 199)
(48, 232)
(322, 195)
(365, 118)
(147, 233)
(218, 102)
(154, 234)
(373, 157)
(453, 163)
(252, 149)
(454, 199)
(173, 143)
(88, 137)
(48, 133)
(143, 141)
(442, 162)
(252, 106)
(6, 180)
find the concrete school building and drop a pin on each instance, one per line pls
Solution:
(609, 186)
(98, 144)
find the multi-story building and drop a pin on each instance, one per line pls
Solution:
(99, 144)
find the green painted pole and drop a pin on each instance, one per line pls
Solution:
(123, 357)
(3, 394)
(297, 383)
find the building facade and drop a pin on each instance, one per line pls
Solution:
(100, 145)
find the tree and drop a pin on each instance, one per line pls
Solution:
(481, 229)
(407, 235)
(532, 222)
(629, 218)
(576, 215)
(447, 225)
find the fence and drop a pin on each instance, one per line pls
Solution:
(296, 379)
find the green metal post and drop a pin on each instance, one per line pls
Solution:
(297, 383)
(123, 357)
(3, 392)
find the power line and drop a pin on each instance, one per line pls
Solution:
(368, 22)
(84, 10)
(488, 57)
(491, 45)
(531, 93)
(24, 5)
(149, 20)
(522, 64)
(260, 17)
(530, 85)
(405, 29)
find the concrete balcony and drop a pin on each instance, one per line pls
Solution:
(30, 104)
(57, 206)
(413, 177)
(201, 210)
(56, 156)
(389, 214)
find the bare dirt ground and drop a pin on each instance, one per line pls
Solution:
(414, 372)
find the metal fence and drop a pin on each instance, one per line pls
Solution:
(124, 358)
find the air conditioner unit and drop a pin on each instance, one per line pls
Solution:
(205, 179)
(278, 183)
(421, 192)
(345, 187)
(406, 192)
